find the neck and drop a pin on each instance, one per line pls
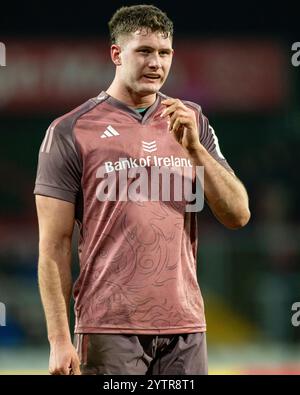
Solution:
(132, 99)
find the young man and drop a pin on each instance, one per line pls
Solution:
(138, 306)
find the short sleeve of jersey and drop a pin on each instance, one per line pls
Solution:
(209, 140)
(59, 168)
(208, 137)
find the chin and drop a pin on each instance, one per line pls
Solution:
(147, 90)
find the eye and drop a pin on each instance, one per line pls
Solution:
(144, 50)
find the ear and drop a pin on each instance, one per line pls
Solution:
(115, 52)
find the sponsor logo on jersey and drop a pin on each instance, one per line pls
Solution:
(129, 163)
(109, 132)
(151, 178)
(150, 146)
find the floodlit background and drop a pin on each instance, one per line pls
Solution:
(235, 61)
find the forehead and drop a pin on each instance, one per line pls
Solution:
(148, 38)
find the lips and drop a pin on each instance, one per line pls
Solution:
(152, 76)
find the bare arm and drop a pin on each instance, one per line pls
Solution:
(56, 222)
(225, 194)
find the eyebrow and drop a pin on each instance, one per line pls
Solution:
(152, 49)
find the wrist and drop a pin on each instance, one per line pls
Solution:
(58, 339)
(195, 149)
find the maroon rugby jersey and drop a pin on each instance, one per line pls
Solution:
(137, 258)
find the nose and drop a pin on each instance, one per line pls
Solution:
(154, 61)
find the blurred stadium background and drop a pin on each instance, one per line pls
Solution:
(234, 60)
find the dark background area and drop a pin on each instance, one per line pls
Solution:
(192, 17)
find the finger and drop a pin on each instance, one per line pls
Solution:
(76, 367)
(174, 116)
(66, 371)
(169, 110)
(168, 101)
(59, 372)
(76, 371)
(172, 120)
(176, 125)
(177, 105)
(53, 371)
(63, 369)
(179, 122)
(178, 133)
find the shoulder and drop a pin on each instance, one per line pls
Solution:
(193, 105)
(64, 124)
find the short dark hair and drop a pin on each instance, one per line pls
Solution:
(129, 19)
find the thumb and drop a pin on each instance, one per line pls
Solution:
(75, 366)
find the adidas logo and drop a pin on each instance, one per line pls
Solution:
(109, 132)
(149, 147)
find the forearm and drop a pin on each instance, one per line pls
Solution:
(224, 193)
(55, 283)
